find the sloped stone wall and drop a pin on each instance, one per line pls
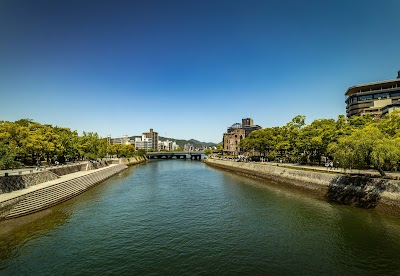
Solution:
(364, 192)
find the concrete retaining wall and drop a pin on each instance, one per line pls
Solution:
(363, 192)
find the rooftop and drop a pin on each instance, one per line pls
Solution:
(372, 85)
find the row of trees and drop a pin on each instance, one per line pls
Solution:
(358, 142)
(27, 142)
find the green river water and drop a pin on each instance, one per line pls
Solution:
(181, 217)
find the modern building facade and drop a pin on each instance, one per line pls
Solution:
(235, 134)
(154, 138)
(390, 108)
(144, 143)
(373, 98)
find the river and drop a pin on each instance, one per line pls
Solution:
(182, 217)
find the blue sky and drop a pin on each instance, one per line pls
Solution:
(189, 69)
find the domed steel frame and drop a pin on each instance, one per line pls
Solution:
(236, 125)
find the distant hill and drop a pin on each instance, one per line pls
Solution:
(182, 142)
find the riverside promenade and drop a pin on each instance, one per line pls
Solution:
(371, 173)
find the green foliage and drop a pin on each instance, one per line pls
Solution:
(7, 156)
(122, 150)
(358, 142)
(208, 151)
(25, 141)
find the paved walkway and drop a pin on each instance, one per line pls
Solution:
(14, 194)
(338, 170)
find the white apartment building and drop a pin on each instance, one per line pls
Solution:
(167, 145)
(144, 143)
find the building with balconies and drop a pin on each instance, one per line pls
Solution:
(372, 98)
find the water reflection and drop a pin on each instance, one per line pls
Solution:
(182, 217)
(16, 234)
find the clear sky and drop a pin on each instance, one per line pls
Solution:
(189, 69)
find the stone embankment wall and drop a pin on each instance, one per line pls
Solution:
(95, 165)
(363, 192)
(63, 170)
(48, 196)
(129, 161)
(17, 182)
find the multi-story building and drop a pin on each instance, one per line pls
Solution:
(167, 145)
(235, 134)
(188, 147)
(124, 140)
(372, 98)
(154, 138)
(248, 126)
(391, 107)
(144, 143)
(232, 139)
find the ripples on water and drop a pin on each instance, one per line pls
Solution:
(182, 217)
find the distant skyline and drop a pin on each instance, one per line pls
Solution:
(189, 69)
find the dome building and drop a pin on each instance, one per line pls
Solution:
(235, 134)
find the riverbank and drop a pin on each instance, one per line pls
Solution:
(35, 197)
(360, 191)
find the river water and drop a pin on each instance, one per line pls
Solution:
(182, 217)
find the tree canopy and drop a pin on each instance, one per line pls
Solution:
(357, 142)
(28, 142)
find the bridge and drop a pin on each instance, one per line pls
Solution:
(178, 155)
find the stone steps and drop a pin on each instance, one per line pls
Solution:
(52, 195)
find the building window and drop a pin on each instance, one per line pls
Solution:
(366, 97)
(395, 94)
(381, 95)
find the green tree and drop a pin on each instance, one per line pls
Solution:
(366, 148)
(314, 139)
(7, 156)
(141, 152)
